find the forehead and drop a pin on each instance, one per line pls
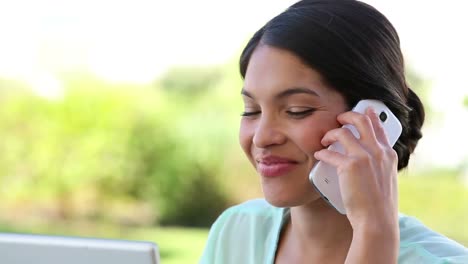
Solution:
(272, 68)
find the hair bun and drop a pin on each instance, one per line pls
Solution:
(409, 138)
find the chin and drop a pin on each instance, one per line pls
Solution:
(291, 199)
(279, 203)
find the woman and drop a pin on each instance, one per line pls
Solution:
(303, 72)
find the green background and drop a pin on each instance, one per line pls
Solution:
(157, 162)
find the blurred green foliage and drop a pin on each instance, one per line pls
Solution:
(438, 198)
(137, 155)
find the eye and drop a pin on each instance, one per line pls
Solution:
(300, 112)
(253, 113)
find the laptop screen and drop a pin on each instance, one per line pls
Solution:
(25, 248)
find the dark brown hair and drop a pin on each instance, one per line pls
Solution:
(356, 50)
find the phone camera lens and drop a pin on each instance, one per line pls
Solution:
(383, 116)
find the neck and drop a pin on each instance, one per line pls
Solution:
(320, 226)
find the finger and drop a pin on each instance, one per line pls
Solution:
(379, 130)
(344, 136)
(363, 125)
(331, 157)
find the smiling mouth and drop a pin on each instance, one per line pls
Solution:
(275, 169)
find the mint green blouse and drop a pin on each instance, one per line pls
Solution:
(248, 233)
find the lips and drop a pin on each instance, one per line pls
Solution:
(275, 166)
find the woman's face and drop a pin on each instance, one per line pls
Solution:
(288, 109)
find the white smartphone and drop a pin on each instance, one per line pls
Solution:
(324, 176)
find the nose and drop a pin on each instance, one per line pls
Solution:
(268, 133)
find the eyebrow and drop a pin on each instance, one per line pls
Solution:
(285, 93)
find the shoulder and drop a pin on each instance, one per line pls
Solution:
(419, 244)
(248, 215)
(251, 228)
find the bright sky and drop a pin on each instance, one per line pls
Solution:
(135, 40)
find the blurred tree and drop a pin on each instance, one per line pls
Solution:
(103, 144)
(191, 81)
(422, 87)
(193, 191)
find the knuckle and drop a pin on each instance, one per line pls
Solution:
(343, 132)
(391, 153)
(380, 153)
(385, 153)
(337, 133)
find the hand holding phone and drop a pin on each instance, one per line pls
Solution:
(324, 176)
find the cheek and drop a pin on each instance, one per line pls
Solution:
(309, 138)
(246, 133)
